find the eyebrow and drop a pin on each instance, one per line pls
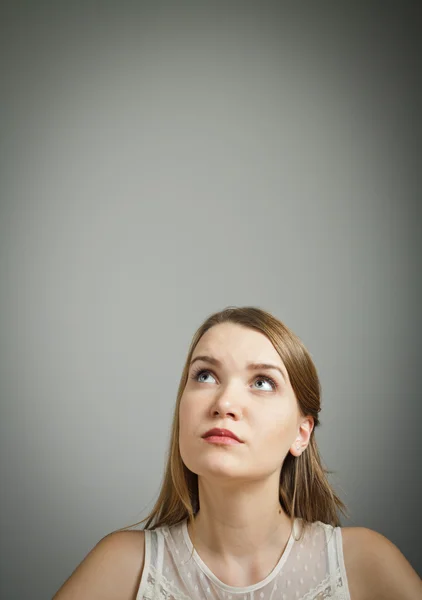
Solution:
(250, 366)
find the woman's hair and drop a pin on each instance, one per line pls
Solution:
(304, 488)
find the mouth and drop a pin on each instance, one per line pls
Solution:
(221, 436)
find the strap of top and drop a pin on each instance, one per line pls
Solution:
(147, 564)
(335, 584)
(332, 555)
(340, 556)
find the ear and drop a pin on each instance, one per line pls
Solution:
(301, 442)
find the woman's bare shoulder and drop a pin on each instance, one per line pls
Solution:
(376, 568)
(111, 571)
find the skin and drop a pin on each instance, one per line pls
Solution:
(240, 526)
(240, 531)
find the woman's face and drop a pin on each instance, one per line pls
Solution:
(228, 390)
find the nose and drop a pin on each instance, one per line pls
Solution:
(225, 405)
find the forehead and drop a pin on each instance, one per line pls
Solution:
(237, 343)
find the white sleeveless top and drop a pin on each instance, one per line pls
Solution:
(311, 568)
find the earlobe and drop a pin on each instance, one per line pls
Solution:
(296, 449)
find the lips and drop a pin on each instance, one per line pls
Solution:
(221, 433)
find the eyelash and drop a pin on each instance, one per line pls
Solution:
(198, 372)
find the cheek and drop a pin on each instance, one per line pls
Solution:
(188, 413)
(189, 424)
(280, 426)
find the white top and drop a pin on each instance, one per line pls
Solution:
(311, 568)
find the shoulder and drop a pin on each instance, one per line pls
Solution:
(111, 571)
(376, 568)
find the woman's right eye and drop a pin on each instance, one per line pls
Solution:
(201, 375)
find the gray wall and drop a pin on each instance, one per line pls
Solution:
(159, 163)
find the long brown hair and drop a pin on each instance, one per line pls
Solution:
(304, 488)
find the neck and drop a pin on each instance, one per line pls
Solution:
(240, 523)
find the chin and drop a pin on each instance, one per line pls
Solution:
(218, 466)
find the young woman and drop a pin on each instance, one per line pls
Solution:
(245, 510)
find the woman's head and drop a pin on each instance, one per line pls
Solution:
(273, 410)
(229, 387)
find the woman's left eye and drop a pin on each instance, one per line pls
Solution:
(267, 380)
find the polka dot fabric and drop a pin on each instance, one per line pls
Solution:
(310, 568)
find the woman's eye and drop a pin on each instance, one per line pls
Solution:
(266, 380)
(202, 375)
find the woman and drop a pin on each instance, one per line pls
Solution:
(245, 510)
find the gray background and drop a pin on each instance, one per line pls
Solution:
(158, 163)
